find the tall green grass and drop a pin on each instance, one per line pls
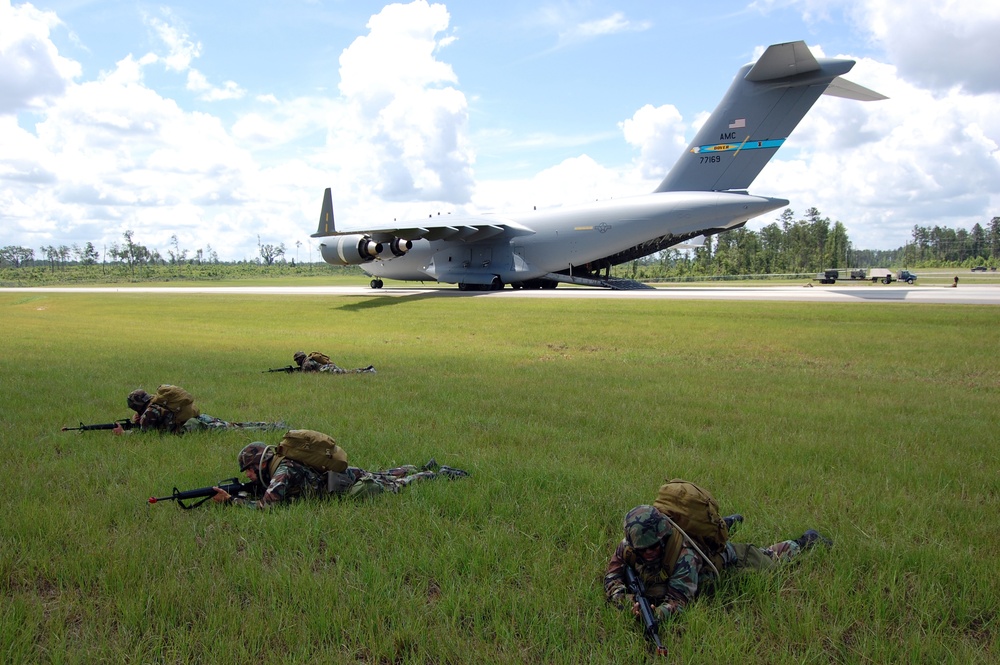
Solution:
(876, 425)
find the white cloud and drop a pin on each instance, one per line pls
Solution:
(197, 82)
(408, 107)
(938, 43)
(883, 167)
(182, 51)
(609, 25)
(659, 135)
(32, 72)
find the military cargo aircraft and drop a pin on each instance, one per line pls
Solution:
(703, 194)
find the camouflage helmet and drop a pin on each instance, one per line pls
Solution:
(251, 456)
(138, 400)
(299, 356)
(645, 526)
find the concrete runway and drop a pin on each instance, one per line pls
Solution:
(941, 295)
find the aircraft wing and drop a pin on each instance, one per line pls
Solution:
(465, 229)
(460, 228)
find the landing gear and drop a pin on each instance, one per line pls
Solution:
(376, 283)
(495, 285)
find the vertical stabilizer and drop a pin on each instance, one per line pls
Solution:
(763, 105)
(326, 225)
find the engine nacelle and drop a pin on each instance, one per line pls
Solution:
(399, 246)
(350, 250)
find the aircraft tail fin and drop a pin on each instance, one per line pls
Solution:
(326, 224)
(763, 105)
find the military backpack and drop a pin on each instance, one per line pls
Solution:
(178, 401)
(696, 512)
(314, 449)
(320, 358)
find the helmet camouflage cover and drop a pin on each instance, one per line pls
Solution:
(645, 526)
(138, 400)
(250, 456)
(299, 356)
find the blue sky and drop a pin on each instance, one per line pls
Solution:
(222, 122)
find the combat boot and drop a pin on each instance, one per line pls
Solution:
(810, 538)
(732, 520)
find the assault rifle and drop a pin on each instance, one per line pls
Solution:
(634, 585)
(124, 423)
(232, 486)
(287, 370)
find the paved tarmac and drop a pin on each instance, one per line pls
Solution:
(942, 295)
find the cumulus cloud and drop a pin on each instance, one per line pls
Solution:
(938, 44)
(408, 106)
(883, 167)
(32, 73)
(112, 153)
(658, 133)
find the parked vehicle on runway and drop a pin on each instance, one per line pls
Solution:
(886, 276)
(831, 275)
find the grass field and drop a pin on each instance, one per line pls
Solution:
(876, 425)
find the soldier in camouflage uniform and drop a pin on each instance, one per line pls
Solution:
(291, 479)
(157, 417)
(646, 533)
(309, 365)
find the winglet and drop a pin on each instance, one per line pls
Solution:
(326, 225)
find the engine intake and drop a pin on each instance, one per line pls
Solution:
(350, 250)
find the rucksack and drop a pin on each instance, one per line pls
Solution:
(314, 449)
(696, 512)
(178, 401)
(320, 358)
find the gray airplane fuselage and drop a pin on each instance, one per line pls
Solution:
(570, 236)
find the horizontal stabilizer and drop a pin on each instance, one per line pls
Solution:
(841, 87)
(783, 60)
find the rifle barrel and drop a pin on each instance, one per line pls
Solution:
(230, 486)
(125, 423)
(651, 625)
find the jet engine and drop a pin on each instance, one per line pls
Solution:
(399, 246)
(350, 250)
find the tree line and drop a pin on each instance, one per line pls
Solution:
(814, 243)
(786, 246)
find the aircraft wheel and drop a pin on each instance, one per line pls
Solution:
(376, 283)
(496, 284)
(463, 287)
